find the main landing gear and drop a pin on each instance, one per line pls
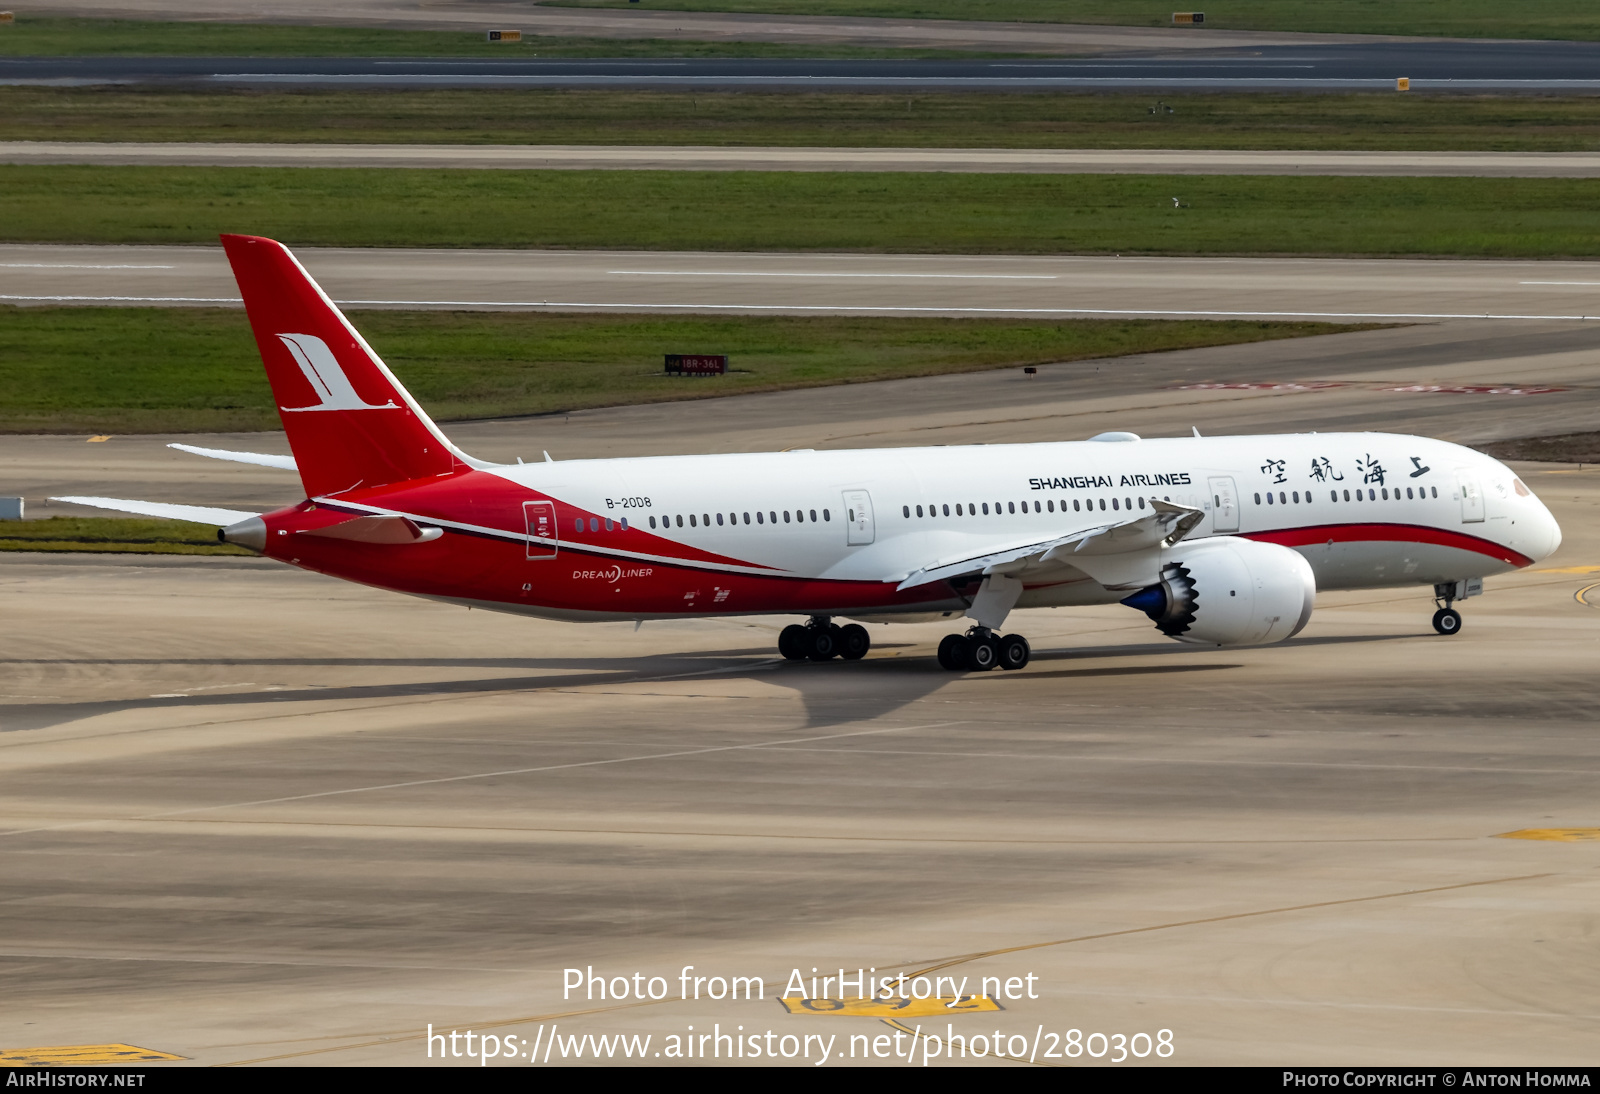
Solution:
(823, 640)
(1446, 620)
(979, 651)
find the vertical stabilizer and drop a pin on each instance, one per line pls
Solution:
(349, 421)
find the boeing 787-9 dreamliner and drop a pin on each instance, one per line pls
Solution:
(1219, 540)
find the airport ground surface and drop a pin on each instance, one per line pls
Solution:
(1371, 65)
(537, 19)
(722, 158)
(253, 814)
(1042, 286)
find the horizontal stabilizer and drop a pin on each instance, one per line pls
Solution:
(378, 529)
(262, 459)
(199, 514)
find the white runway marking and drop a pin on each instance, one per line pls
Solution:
(1558, 282)
(742, 273)
(76, 266)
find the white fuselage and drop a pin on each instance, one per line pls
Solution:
(1428, 511)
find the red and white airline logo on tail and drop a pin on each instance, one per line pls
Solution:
(326, 377)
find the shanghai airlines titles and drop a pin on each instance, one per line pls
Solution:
(1218, 540)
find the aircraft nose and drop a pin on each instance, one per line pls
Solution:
(1554, 531)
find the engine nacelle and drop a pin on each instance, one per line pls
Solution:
(1229, 591)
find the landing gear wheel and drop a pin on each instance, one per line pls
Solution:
(983, 653)
(792, 642)
(1014, 651)
(821, 645)
(1447, 621)
(854, 642)
(953, 652)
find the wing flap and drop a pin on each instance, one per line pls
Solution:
(1163, 526)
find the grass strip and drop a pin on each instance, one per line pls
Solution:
(154, 370)
(1416, 122)
(1579, 448)
(45, 36)
(130, 535)
(829, 211)
(1439, 18)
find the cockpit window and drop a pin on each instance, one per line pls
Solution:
(1522, 491)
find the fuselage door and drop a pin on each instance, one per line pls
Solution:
(1225, 505)
(1471, 497)
(541, 517)
(858, 512)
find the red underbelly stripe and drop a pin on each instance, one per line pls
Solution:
(1389, 533)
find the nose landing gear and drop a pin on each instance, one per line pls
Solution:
(979, 651)
(822, 640)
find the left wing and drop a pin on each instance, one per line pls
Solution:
(1163, 526)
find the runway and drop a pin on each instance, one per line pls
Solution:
(253, 815)
(1339, 289)
(538, 19)
(722, 158)
(1430, 65)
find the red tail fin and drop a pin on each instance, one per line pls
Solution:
(349, 421)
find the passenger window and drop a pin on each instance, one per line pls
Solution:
(1127, 503)
(1435, 491)
(1113, 503)
(1050, 505)
(747, 518)
(608, 524)
(1333, 495)
(1408, 493)
(1011, 506)
(772, 518)
(719, 520)
(786, 516)
(1258, 499)
(813, 516)
(624, 524)
(706, 519)
(1075, 505)
(1037, 508)
(1102, 505)
(1269, 497)
(760, 518)
(1141, 503)
(1386, 493)
(594, 524)
(946, 510)
(958, 508)
(578, 524)
(919, 510)
(652, 522)
(691, 520)
(985, 508)
(906, 509)
(825, 515)
(1297, 497)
